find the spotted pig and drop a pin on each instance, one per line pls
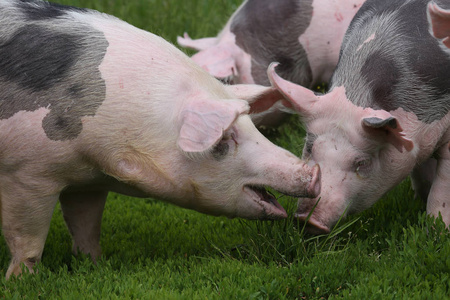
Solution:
(90, 104)
(386, 115)
(303, 35)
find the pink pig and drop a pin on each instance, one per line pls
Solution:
(386, 116)
(90, 104)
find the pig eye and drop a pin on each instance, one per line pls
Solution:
(223, 147)
(220, 150)
(309, 143)
(362, 167)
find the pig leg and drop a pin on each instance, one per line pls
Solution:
(422, 178)
(25, 223)
(438, 200)
(83, 212)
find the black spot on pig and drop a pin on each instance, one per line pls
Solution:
(426, 59)
(269, 31)
(62, 125)
(36, 59)
(402, 67)
(382, 76)
(52, 65)
(41, 10)
(368, 10)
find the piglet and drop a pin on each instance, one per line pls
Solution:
(90, 104)
(387, 114)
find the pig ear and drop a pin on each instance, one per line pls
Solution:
(203, 122)
(440, 22)
(296, 97)
(217, 61)
(390, 127)
(199, 44)
(260, 98)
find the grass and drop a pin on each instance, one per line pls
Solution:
(154, 250)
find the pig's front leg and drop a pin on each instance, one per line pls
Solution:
(83, 215)
(438, 199)
(422, 178)
(25, 223)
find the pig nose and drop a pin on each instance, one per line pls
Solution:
(313, 226)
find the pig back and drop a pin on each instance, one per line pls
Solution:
(258, 26)
(49, 58)
(389, 60)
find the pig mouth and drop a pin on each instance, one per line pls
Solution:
(272, 209)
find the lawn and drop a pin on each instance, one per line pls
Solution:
(154, 250)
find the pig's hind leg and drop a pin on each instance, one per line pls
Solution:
(439, 199)
(25, 223)
(83, 212)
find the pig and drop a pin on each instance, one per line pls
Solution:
(90, 104)
(386, 115)
(303, 35)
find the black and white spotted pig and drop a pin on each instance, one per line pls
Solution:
(303, 35)
(89, 104)
(386, 115)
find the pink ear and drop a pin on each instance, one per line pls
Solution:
(260, 98)
(203, 122)
(389, 127)
(440, 22)
(199, 44)
(296, 97)
(217, 61)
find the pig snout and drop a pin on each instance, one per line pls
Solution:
(309, 213)
(306, 182)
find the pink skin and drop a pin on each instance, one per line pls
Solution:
(440, 22)
(165, 129)
(221, 57)
(323, 38)
(359, 163)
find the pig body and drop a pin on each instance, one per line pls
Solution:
(90, 104)
(303, 35)
(386, 115)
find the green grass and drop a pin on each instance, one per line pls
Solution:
(153, 250)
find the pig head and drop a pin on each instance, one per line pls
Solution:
(347, 142)
(386, 115)
(91, 104)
